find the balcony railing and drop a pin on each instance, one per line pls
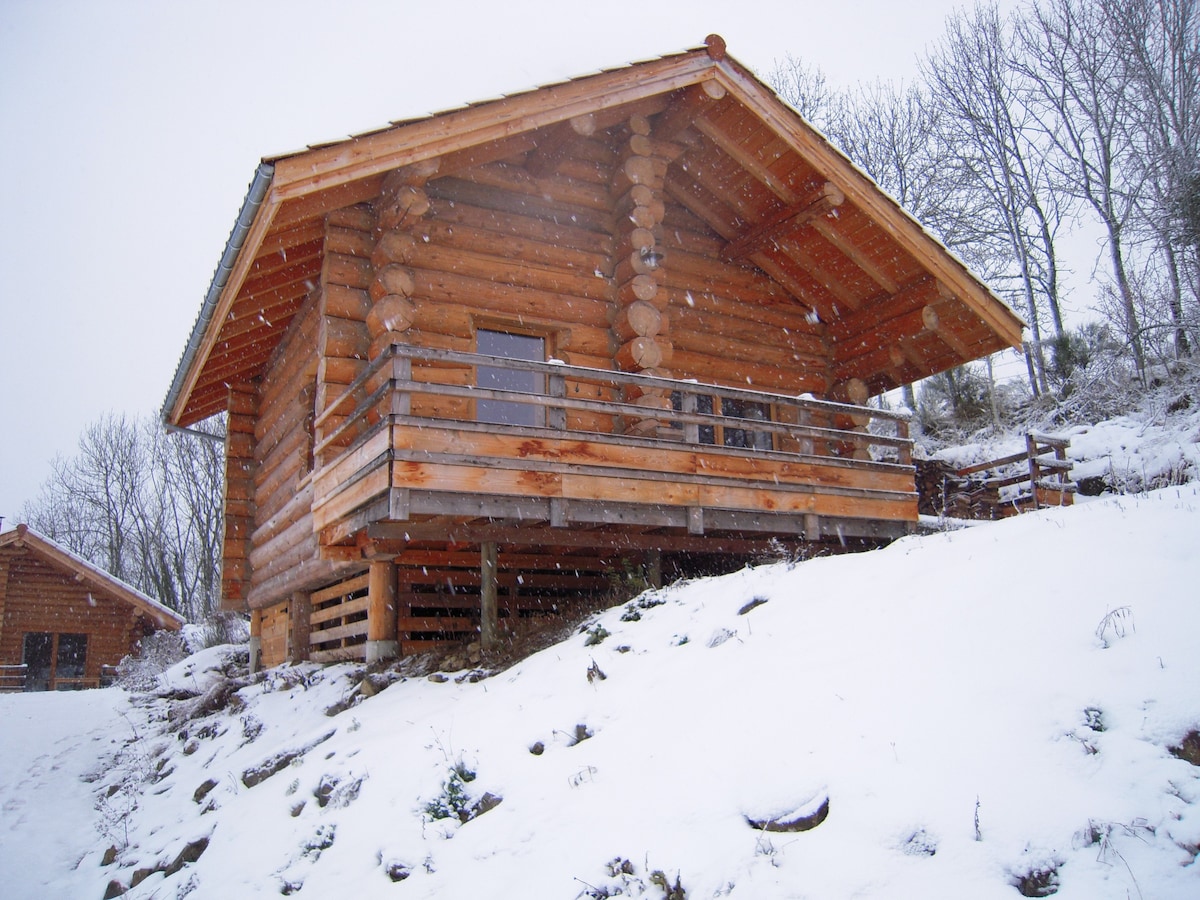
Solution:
(600, 437)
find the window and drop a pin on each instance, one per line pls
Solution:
(745, 437)
(39, 657)
(510, 346)
(730, 435)
(72, 656)
(54, 658)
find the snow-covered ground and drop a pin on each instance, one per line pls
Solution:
(1147, 448)
(974, 706)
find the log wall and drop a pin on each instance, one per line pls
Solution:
(37, 597)
(284, 551)
(563, 256)
(239, 495)
(498, 248)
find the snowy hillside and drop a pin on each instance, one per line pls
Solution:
(939, 719)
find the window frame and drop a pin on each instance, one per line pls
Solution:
(492, 412)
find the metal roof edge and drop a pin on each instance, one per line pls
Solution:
(708, 46)
(255, 195)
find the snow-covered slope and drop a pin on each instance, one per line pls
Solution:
(973, 706)
(1154, 446)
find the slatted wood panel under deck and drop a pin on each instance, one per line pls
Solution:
(338, 622)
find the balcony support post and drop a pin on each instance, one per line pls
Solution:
(381, 612)
(255, 640)
(489, 627)
(300, 625)
(654, 570)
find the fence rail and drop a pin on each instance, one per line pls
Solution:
(593, 438)
(12, 678)
(671, 405)
(1035, 478)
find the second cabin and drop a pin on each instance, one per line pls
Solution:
(476, 362)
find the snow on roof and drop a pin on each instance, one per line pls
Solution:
(165, 617)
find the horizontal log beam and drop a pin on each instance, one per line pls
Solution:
(820, 202)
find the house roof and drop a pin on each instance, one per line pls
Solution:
(59, 557)
(897, 304)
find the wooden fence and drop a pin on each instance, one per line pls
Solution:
(12, 678)
(1035, 478)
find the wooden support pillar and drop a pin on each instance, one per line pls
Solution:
(255, 640)
(812, 527)
(382, 640)
(300, 625)
(489, 625)
(654, 572)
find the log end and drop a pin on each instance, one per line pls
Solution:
(715, 44)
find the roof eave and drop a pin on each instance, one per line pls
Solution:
(192, 360)
(861, 189)
(52, 550)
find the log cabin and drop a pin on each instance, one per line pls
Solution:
(474, 363)
(63, 621)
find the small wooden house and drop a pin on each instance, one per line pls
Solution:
(63, 621)
(475, 362)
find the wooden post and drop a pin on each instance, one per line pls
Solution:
(654, 570)
(255, 640)
(812, 527)
(556, 416)
(299, 625)
(489, 629)
(381, 612)
(905, 451)
(1035, 472)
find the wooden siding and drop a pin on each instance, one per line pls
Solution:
(274, 646)
(283, 549)
(37, 597)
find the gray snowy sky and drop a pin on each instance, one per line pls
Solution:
(131, 129)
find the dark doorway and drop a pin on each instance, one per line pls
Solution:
(39, 657)
(56, 661)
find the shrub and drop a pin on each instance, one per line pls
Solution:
(156, 653)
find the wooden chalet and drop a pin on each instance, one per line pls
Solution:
(63, 621)
(475, 361)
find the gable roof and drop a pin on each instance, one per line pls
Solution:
(61, 558)
(763, 180)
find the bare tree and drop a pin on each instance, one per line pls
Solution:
(92, 500)
(1078, 85)
(808, 91)
(976, 89)
(144, 506)
(180, 547)
(1159, 43)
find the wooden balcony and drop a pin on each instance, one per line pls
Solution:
(605, 458)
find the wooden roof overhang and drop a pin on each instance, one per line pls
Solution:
(895, 304)
(25, 538)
